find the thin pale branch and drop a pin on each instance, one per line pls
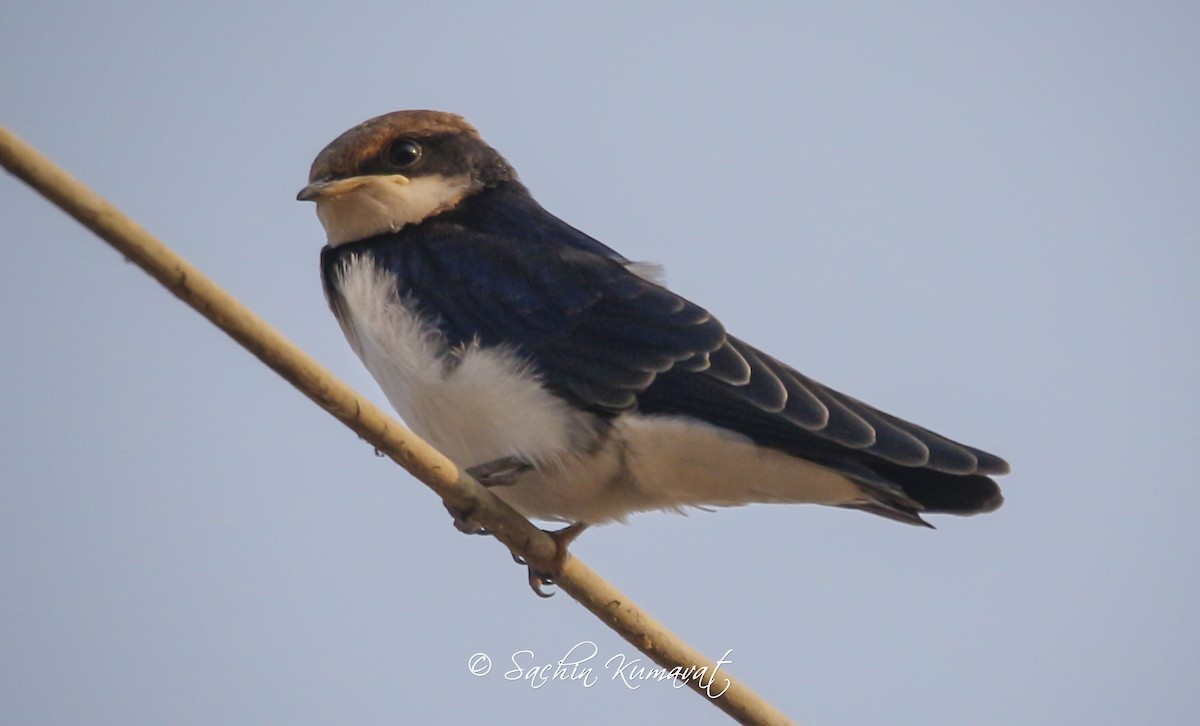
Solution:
(389, 437)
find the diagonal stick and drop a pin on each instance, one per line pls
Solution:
(387, 435)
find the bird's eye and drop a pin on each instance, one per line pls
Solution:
(404, 152)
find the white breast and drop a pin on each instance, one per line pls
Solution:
(474, 404)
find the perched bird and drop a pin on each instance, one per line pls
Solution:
(564, 374)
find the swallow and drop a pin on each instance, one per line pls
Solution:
(569, 378)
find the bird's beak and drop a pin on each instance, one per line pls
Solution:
(319, 190)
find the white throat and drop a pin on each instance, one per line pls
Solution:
(381, 204)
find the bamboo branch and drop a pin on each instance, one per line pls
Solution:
(455, 487)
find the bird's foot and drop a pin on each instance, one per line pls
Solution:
(562, 539)
(499, 472)
(464, 521)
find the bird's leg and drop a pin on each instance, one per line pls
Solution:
(562, 539)
(505, 472)
(497, 473)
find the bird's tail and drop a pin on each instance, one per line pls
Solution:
(905, 493)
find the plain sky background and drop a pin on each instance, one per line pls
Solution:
(981, 218)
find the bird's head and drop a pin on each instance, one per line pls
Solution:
(399, 169)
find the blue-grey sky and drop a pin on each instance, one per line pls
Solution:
(983, 219)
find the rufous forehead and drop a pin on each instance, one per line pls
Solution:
(347, 153)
